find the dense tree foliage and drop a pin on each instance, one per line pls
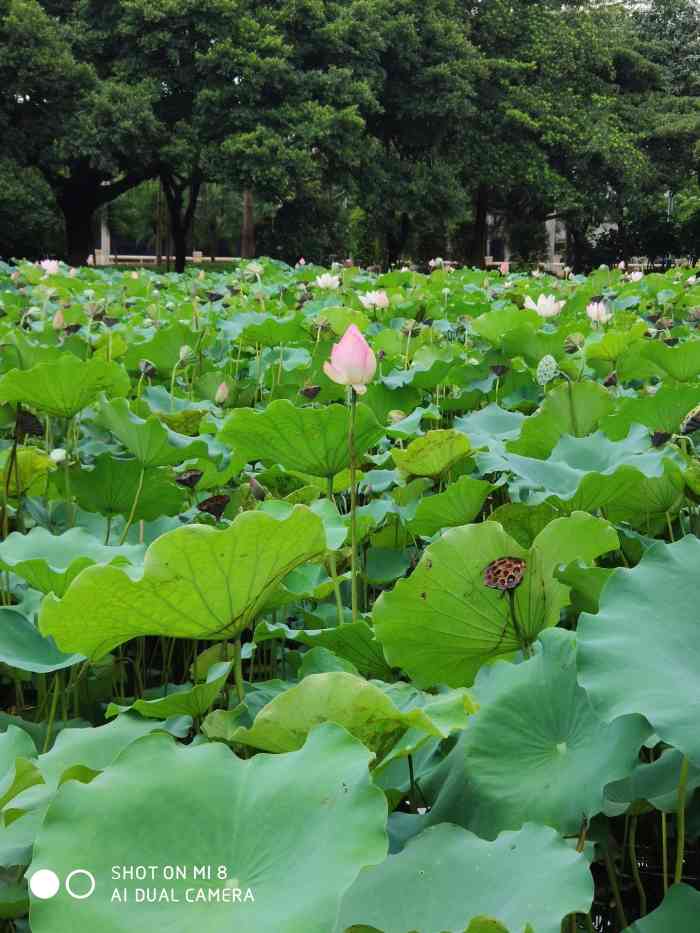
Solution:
(380, 128)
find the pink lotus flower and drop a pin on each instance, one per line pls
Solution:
(598, 312)
(222, 393)
(378, 299)
(327, 281)
(547, 305)
(352, 361)
(621, 265)
(504, 268)
(50, 266)
(302, 261)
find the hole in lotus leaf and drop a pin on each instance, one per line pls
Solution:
(505, 573)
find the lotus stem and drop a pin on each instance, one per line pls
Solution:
(664, 850)
(134, 504)
(615, 888)
(52, 711)
(238, 670)
(332, 563)
(680, 825)
(635, 867)
(353, 503)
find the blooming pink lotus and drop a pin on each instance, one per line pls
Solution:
(598, 312)
(378, 299)
(504, 268)
(352, 361)
(547, 305)
(50, 266)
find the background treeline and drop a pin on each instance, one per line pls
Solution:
(379, 129)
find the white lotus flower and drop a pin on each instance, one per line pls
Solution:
(378, 299)
(547, 305)
(621, 265)
(692, 280)
(436, 263)
(58, 455)
(327, 281)
(636, 276)
(598, 312)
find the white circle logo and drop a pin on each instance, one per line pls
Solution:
(44, 884)
(91, 879)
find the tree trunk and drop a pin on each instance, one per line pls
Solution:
(181, 216)
(248, 227)
(78, 215)
(477, 249)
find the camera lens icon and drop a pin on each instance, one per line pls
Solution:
(45, 884)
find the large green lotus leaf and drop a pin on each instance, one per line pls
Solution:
(494, 325)
(361, 707)
(586, 472)
(641, 653)
(81, 753)
(536, 750)
(308, 440)
(647, 502)
(459, 504)
(65, 387)
(447, 875)
(663, 411)
(523, 522)
(681, 362)
(678, 913)
(186, 700)
(111, 485)
(490, 425)
(50, 563)
(149, 440)
(433, 454)
(29, 472)
(295, 829)
(22, 646)
(442, 623)
(162, 349)
(197, 582)
(571, 408)
(354, 641)
(656, 782)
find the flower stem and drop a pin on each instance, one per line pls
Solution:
(353, 503)
(238, 670)
(635, 867)
(137, 496)
(333, 564)
(615, 888)
(680, 824)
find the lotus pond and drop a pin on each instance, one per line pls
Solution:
(415, 654)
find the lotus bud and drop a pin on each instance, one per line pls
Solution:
(185, 353)
(352, 361)
(59, 321)
(222, 393)
(259, 492)
(58, 455)
(621, 265)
